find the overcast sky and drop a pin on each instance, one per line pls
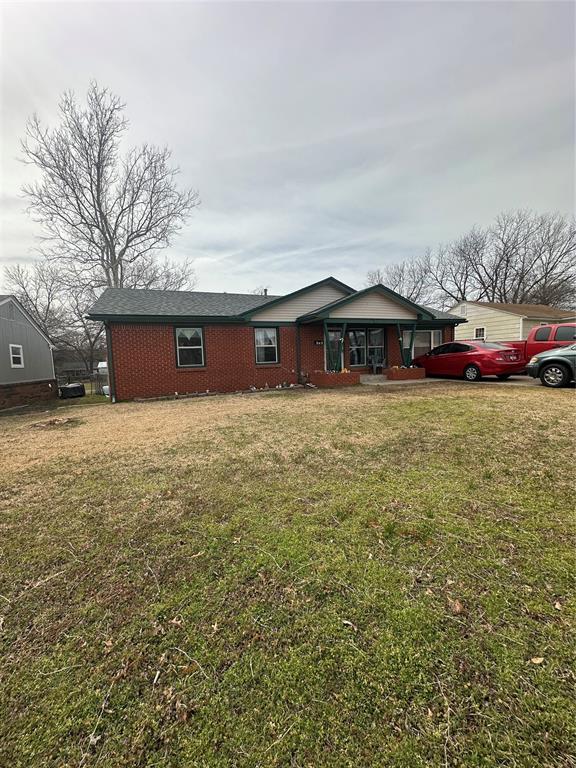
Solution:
(324, 138)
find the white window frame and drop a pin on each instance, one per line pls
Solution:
(408, 334)
(257, 346)
(483, 336)
(19, 354)
(200, 347)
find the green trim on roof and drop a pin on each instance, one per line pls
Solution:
(170, 319)
(274, 302)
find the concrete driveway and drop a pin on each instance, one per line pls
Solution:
(513, 381)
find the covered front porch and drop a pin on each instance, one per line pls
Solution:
(372, 332)
(373, 346)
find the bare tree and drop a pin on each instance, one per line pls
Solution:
(40, 290)
(102, 211)
(58, 300)
(522, 258)
(410, 278)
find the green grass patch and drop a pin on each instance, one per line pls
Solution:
(318, 580)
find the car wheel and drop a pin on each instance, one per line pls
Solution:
(554, 375)
(503, 376)
(472, 373)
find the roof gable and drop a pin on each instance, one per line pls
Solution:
(337, 308)
(326, 290)
(9, 298)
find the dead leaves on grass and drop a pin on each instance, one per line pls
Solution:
(55, 423)
(456, 606)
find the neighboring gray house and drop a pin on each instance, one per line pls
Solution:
(26, 364)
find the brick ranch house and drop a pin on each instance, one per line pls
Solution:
(167, 342)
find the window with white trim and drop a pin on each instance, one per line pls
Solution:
(16, 356)
(424, 341)
(189, 347)
(480, 333)
(266, 345)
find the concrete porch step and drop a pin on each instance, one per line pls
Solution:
(372, 379)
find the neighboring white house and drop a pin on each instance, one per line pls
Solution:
(490, 321)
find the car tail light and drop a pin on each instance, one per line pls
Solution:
(509, 357)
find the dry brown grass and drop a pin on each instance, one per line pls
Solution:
(327, 579)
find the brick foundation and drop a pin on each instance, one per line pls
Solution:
(26, 393)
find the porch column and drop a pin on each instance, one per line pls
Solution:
(406, 354)
(331, 363)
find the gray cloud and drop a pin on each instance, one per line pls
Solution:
(323, 137)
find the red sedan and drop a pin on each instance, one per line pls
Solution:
(472, 360)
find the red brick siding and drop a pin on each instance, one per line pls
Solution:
(447, 334)
(144, 361)
(12, 395)
(311, 356)
(323, 379)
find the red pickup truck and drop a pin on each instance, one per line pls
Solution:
(544, 337)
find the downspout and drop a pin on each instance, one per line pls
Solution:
(110, 360)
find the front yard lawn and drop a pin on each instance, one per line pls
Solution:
(355, 578)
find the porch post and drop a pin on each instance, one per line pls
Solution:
(406, 355)
(400, 344)
(411, 347)
(341, 347)
(328, 355)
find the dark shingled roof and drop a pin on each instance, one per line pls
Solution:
(441, 315)
(138, 302)
(134, 302)
(537, 311)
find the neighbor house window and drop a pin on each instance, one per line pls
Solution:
(189, 347)
(266, 341)
(357, 341)
(424, 341)
(480, 333)
(16, 356)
